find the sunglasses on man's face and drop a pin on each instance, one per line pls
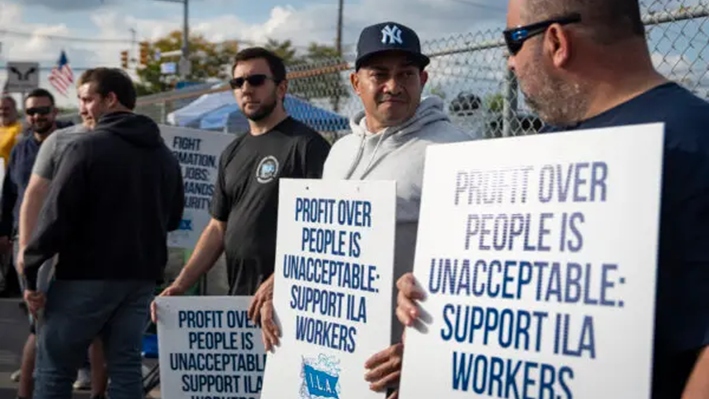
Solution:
(253, 80)
(38, 111)
(515, 37)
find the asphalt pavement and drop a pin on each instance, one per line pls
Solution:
(13, 333)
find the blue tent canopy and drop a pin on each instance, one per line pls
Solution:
(230, 116)
(189, 114)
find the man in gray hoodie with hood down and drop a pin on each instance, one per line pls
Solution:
(388, 142)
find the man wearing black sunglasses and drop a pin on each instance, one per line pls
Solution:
(40, 114)
(586, 64)
(245, 203)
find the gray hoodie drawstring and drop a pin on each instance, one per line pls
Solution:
(374, 153)
(356, 159)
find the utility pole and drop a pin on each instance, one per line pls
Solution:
(185, 34)
(184, 66)
(338, 47)
(338, 40)
(133, 35)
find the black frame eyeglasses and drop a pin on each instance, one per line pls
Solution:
(253, 80)
(515, 37)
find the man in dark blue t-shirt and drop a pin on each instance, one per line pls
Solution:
(40, 113)
(682, 307)
(584, 65)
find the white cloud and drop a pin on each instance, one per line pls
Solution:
(441, 24)
(310, 23)
(28, 48)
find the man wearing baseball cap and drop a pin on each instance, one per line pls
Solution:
(390, 38)
(388, 142)
(394, 130)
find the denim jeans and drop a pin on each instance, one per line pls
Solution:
(78, 311)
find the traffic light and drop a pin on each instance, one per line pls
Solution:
(144, 53)
(124, 59)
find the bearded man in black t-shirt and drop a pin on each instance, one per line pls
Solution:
(244, 207)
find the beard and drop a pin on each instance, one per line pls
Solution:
(557, 102)
(42, 127)
(263, 111)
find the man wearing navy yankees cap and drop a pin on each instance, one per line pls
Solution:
(395, 128)
(388, 142)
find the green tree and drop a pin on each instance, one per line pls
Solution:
(495, 102)
(283, 49)
(208, 60)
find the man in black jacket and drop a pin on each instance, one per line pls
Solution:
(115, 196)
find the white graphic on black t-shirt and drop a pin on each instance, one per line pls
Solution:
(267, 169)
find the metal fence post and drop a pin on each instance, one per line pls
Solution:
(509, 109)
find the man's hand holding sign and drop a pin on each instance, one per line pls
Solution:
(261, 313)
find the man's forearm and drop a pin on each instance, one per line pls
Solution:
(31, 205)
(209, 247)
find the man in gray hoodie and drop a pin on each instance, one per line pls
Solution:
(388, 142)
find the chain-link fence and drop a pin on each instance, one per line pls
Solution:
(468, 71)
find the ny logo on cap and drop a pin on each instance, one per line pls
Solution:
(391, 35)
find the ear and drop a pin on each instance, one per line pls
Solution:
(354, 81)
(282, 89)
(557, 44)
(111, 100)
(55, 111)
(424, 78)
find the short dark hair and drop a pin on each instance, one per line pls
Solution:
(111, 80)
(275, 63)
(607, 21)
(41, 93)
(11, 100)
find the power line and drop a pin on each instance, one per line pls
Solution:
(63, 38)
(479, 5)
(118, 41)
(49, 68)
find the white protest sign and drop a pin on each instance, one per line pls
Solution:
(538, 258)
(208, 348)
(198, 152)
(333, 286)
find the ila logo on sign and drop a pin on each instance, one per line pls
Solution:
(321, 378)
(391, 35)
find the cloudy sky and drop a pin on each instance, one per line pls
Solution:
(93, 32)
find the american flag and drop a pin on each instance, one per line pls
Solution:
(62, 76)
